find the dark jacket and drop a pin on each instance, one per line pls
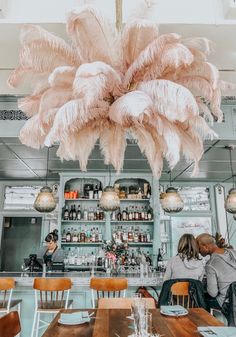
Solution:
(196, 292)
(229, 305)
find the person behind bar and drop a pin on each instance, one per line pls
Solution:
(187, 263)
(51, 253)
(220, 269)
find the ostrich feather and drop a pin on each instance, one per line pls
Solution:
(197, 85)
(31, 134)
(96, 81)
(30, 104)
(202, 69)
(171, 100)
(198, 55)
(80, 144)
(94, 36)
(152, 53)
(174, 56)
(215, 105)
(130, 108)
(204, 111)
(191, 146)
(53, 98)
(136, 35)
(38, 40)
(62, 76)
(201, 43)
(113, 145)
(199, 124)
(149, 146)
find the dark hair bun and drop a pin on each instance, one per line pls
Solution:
(52, 236)
(55, 231)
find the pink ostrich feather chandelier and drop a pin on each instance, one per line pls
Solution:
(105, 84)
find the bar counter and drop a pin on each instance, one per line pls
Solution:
(80, 292)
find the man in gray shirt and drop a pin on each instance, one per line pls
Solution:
(220, 269)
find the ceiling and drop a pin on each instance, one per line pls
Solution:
(21, 162)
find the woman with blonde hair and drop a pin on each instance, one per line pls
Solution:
(187, 263)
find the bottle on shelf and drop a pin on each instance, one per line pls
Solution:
(71, 213)
(95, 192)
(63, 237)
(149, 192)
(66, 213)
(78, 213)
(68, 235)
(124, 215)
(159, 260)
(100, 190)
(74, 213)
(119, 215)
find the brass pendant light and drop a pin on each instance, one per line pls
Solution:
(171, 200)
(109, 200)
(230, 202)
(45, 201)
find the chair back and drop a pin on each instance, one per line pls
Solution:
(108, 287)
(180, 294)
(6, 287)
(53, 292)
(123, 303)
(10, 324)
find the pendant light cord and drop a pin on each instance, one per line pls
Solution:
(170, 177)
(109, 169)
(47, 166)
(231, 166)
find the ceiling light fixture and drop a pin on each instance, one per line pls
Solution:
(45, 201)
(109, 200)
(230, 202)
(171, 201)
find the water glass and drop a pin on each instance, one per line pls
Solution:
(148, 323)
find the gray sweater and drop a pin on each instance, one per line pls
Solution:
(220, 272)
(178, 268)
(58, 255)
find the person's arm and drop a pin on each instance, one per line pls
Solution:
(58, 256)
(212, 287)
(168, 272)
(202, 272)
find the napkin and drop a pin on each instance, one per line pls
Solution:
(217, 331)
(173, 309)
(75, 318)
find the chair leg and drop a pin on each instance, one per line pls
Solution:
(34, 323)
(37, 325)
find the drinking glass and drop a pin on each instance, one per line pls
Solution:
(148, 323)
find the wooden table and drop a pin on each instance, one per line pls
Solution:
(114, 323)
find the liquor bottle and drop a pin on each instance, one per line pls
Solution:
(68, 235)
(100, 191)
(148, 259)
(66, 213)
(149, 192)
(63, 238)
(95, 192)
(75, 236)
(79, 213)
(124, 215)
(149, 213)
(130, 234)
(74, 213)
(71, 213)
(159, 260)
(132, 258)
(119, 215)
(85, 214)
(136, 214)
(130, 213)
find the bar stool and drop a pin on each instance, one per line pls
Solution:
(6, 303)
(52, 292)
(10, 324)
(108, 287)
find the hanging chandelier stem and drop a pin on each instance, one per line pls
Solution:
(170, 178)
(109, 168)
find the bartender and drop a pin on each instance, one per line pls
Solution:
(51, 253)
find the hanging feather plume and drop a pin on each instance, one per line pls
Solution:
(96, 81)
(152, 53)
(130, 108)
(94, 36)
(113, 145)
(171, 100)
(105, 84)
(136, 36)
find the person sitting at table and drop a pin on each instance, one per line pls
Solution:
(187, 263)
(220, 269)
(51, 252)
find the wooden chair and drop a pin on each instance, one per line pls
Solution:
(6, 303)
(180, 294)
(108, 287)
(10, 324)
(51, 295)
(123, 303)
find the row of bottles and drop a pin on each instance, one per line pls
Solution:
(133, 234)
(83, 234)
(88, 214)
(133, 213)
(133, 191)
(90, 191)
